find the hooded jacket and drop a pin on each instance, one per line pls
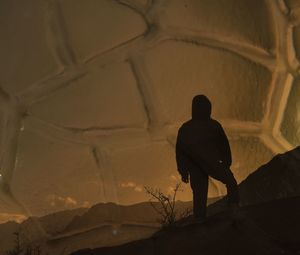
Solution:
(201, 141)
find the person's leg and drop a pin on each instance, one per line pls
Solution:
(225, 175)
(199, 185)
(232, 188)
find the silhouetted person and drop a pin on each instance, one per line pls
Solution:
(202, 150)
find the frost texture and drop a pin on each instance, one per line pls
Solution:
(91, 103)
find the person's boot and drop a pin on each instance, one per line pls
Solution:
(198, 219)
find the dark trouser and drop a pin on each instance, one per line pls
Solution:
(199, 185)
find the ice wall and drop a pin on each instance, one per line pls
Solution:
(92, 93)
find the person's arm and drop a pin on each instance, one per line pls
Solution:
(181, 161)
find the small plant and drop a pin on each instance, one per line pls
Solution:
(166, 206)
(19, 250)
(35, 250)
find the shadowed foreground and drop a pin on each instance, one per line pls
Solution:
(69, 231)
(269, 228)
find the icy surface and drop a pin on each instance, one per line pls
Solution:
(53, 174)
(291, 122)
(92, 93)
(229, 19)
(97, 26)
(185, 70)
(25, 55)
(107, 97)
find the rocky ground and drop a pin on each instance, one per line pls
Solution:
(266, 197)
(269, 228)
(268, 222)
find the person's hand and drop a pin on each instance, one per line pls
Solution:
(185, 179)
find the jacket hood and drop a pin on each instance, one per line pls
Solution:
(201, 108)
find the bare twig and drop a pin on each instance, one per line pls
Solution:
(166, 207)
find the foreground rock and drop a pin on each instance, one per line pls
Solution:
(110, 224)
(269, 228)
(279, 178)
(35, 229)
(101, 225)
